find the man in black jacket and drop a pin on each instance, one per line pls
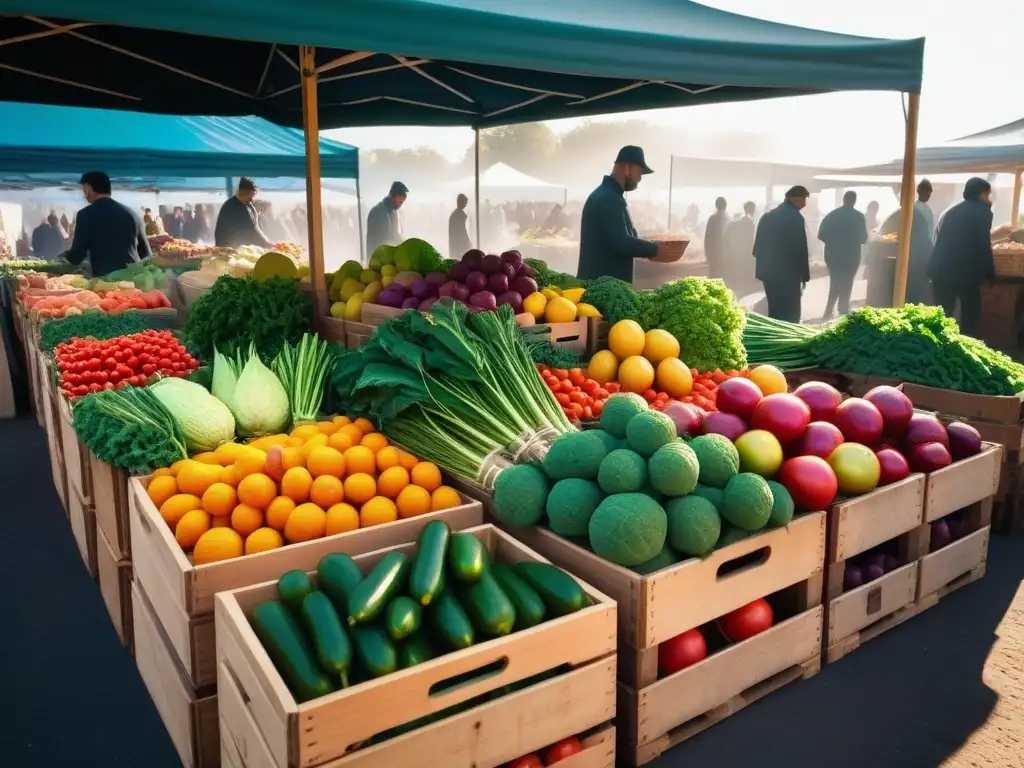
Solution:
(110, 234)
(783, 262)
(238, 222)
(962, 260)
(714, 240)
(843, 231)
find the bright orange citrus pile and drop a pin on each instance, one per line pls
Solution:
(322, 479)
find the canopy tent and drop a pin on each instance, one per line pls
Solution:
(503, 182)
(170, 183)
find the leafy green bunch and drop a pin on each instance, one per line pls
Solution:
(544, 276)
(705, 318)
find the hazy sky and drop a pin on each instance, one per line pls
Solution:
(972, 73)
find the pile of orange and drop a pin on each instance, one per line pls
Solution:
(323, 479)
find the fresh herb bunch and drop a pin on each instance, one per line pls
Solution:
(99, 325)
(616, 300)
(239, 311)
(302, 370)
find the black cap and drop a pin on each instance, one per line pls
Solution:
(797, 191)
(398, 188)
(633, 156)
(246, 183)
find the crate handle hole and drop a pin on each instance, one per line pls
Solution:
(744, 563)
(471, 677)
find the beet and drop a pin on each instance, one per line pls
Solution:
(421, 289)
(895, 407)
(491, 264)
(459, 271)
(484, 300)
(461, 293)
(513, 299)
(928, 457)
(411, 303)
(447, 290)
(890, 564)
(940, 536)
(436, 278)
(497, 283)
(687, 418)
(964, 440)
(853, 576)
(473, 258)
(527, 271)
(513, 258)
(392, 296)
(872, 572)
(957, 527)
(476, 281)
(523, 285)
(873, 558)
(426, 304)
(924, 428)
(509, 271)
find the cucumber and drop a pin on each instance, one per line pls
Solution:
(333, 649)
(373, 593)
(426, 580)
(467, 557)
(282, 637)
(529, 607)
(339, 576)
(450, 621)
(488, 605)
(560, 592)
(414, 650)
(376, 654)
(402, 618)
(292, 589)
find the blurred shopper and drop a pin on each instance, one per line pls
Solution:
(458, 229)
(962, 260)
(714, 239)
(871, 215)
(383, 222)
(922, 209)
(608, 239)
(739, 244)
(238, 222)
(47, 239)
(783, 263)
(843, 231)
(175, 225)
(111, 235)
(190, 230)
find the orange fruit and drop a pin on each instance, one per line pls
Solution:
(341, 421)
(377, 511)
(444, 497)
(227, 453)
(328, 427)
(352, 432)
(365, 426)
(246, 519)
(360, 488)
(339, 441)
(162, 472)
(387, 458)
(392, 481)
(220, 499)
(175, 468)
(209, 457)
(217, 544)
(257, 490)
(220, 522)
(305, 432)
(249, 461)
(305, 523)
(426, 475)
(195, 477)
(341, 518)
(191, 526)
(407, 460)
(294, 442)
(324, 460)
(175, 507)
(296, 484)
(316, 441)
(262, 540)
(375, 441)
(413, 500)
(326, 491)
(268, 442)
(280, 460)
(160, 489)
(359, 458)
(278, 511)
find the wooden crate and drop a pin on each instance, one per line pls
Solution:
(958, 564)
(54, 446)
(264, 719)
(597, 335)
(190, 716)
(331, 329)
(356, 334)
(76, 459)
(894, 512)
(32, 365)
(110, 500)
(963, 483)
(115, 577)
(83, 527)
(182, 594)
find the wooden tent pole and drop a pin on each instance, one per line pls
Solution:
(1018, 182)
(671, 168)
(314, 208)
(899, 290)
(476, 181)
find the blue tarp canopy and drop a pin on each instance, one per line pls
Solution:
(15, 181)
(426, 62)
(64, 142)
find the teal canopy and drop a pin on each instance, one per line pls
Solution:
(438, 62)
(61, 143)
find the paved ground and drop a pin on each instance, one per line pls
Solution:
(942, 690)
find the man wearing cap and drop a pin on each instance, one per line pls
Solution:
(608, 239)
(783, 262)
(110, 234)
(383, 224)
(238, 222)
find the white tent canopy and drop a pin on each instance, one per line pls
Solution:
(502, 182)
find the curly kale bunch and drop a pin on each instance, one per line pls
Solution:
(705, 318)
(545, 276)
(616, 300)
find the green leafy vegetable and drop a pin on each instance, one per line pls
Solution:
(303, 370)
(417, 255)
(257, 399)
(204, 420)
(543, 351)
(545, 276)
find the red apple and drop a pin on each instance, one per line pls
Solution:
(738, 396)
(728, 424)
(893, 466)
(819, 439)
(785, 416)
(859, 421)
(895, 407)
(810, 481)
(924, 428)
(821, 398)
(929, 457)
(856, 467)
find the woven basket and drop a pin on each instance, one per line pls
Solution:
(1009, 262)
(674, 246)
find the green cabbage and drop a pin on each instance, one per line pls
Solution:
(225, 379)
(415, 255)
(253, 393)
(204, 420)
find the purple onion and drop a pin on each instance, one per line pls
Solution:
(411, 303)
(459, 271)
(473, 258)
(523, 285)
(483, 299)
(513, 258)
(476, 281)
(513, 299)
(491, 264)
(497, 283)
(436, 278)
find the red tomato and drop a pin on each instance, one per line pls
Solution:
(601, 394)
(565, 386)
(577, 397)
(743, 623)
(563, 750)
(576, 408)
(577, 379)
(612, 387)
(681, 651)
(597, 407)
(650, 395)
(526, 761)
(663, 397)
(562, 398)
(560, 373)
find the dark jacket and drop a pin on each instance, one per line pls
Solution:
(963, 248)
(780, 246)
(458, 234)
(47, 241)
(608, 240)
(739, 239)
(714, 241)
(383, 227)
(110, 234)
(238, 224)
(843, 231)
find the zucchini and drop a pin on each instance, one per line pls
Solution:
(450, 621)
(289, 649)
(529, 607)
(292, 589)
(560, 592)
(333, 649)
(376, 654)
(373, 593)
(339, 576)
(426, 580)
(415, 649)
(488, 605)
(403, 617)
(467, 557)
